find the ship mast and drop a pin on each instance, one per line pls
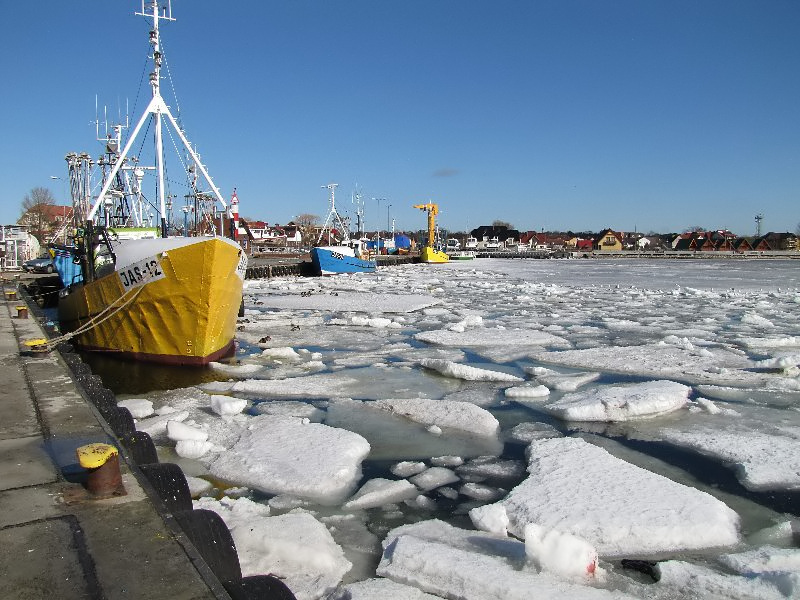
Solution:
(158, 109)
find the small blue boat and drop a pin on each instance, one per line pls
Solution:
(329, 260)
(349, 255)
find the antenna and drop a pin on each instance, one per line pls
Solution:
(759, 218)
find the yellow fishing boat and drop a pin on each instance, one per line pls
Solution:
(150, 287)
(429, 253)
(170, 300)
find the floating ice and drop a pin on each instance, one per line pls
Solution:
(379, 492)
(471, 565)
(685, 580)
(766, 559)
(619, 508)
(178, 431)
(484, 493)
(344, 301)
(433, 478)
(459, 371)
(443, 413)
(765, 459)
(563, 382)
(226, 405)
(198, 486)
(289, 408)
(192, 448)
(663, 361)
(561, 553)
(491, 518)
(294, 547)
(621, 402)
(486, 336)
(408, 468)
(282, 353)
(239, 370)
(283, 455)
(489, 466)
(157, 426)
(138, 407)
(528, 391)
(527, 432)
(370, 589)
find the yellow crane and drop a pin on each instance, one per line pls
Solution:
(429, 254)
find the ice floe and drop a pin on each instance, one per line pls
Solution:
(295, 547)
(451, 562)
(619, 508)
(764, 458)
(379, 492)
(621, 402)
(284, 455)
(459, 371)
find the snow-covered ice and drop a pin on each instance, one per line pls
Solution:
(295, 547)
(284, 455)
(578, 488)
(357, 404)
(621, 402)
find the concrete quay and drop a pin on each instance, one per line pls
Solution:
(57, 539)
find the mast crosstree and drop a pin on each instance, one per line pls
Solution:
(158, 110)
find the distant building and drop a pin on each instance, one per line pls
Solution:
(16, 246)
(608, 240)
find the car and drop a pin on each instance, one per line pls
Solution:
(39, 265)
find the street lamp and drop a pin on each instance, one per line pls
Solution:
(377, 226)
(388, 220)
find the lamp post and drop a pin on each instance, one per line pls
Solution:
(388, 220)
(377, 226)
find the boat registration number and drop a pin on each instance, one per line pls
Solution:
(241, 268)
(141, 273)
(337, 255)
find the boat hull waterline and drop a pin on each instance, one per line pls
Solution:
(432, 256)
(178, 307)
(331, 260)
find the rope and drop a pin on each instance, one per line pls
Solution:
(96, 320)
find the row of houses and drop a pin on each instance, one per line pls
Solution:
(488, 237)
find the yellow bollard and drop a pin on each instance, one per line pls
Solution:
(102, 462)
(22, 312)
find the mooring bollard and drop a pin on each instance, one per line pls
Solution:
(11, 295)
(22, 312)
(102, 462)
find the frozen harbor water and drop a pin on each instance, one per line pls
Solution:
(398, 433)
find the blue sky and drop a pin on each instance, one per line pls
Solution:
(560, 114)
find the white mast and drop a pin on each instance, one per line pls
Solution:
(158, 108)
(333, 219)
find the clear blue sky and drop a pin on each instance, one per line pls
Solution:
(557, 114)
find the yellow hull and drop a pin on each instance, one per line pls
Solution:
(429, 255)
(185, 316)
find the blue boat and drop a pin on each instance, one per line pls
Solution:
(349, 255)
(329, 260)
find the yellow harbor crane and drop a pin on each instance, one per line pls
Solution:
(429, 254)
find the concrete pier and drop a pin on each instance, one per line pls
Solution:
(56, 541)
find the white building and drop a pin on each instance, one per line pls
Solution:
(16, 246)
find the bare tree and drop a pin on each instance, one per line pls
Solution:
(694, 229)
(505, 224)
(306, 224)
(37, 212)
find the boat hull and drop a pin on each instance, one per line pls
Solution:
(331, 261)
(462, 255)
(429, 255)
(184, 314)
